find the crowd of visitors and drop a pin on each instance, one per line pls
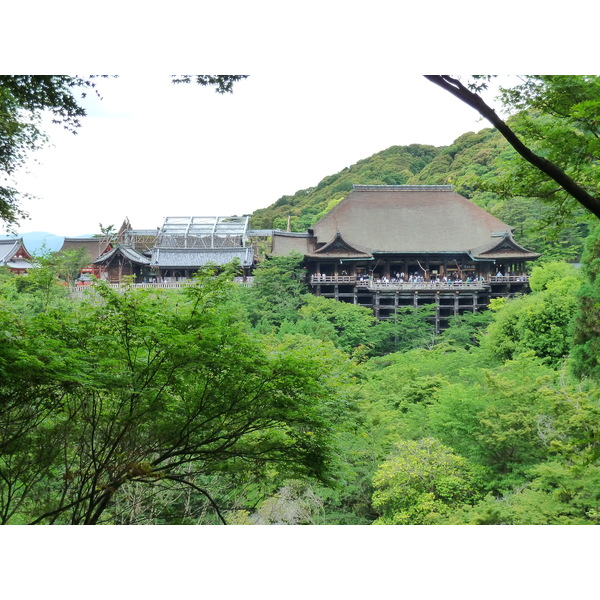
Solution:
(401, 278)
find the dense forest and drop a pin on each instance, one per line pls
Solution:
(219, 403)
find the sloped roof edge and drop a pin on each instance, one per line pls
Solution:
(339, 242)
(127, 252)
(491, 249)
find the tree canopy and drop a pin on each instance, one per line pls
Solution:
(563, 146)
(163, 391)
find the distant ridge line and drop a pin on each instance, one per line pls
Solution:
(402, 188)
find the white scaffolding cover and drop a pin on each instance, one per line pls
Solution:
(203, 232)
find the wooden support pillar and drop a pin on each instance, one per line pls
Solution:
(437, 313)
(475, 302)
(456, 304)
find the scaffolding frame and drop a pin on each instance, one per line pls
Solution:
(203, 232)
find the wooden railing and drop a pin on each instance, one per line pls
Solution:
(509, 279)
(333, 279)
(424, 285)
(348, 279)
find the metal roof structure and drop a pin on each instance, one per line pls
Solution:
(203, 232)
(142, 240)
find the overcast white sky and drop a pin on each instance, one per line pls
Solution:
(331, 82)
(150, 149)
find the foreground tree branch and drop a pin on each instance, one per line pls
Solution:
(456, 88)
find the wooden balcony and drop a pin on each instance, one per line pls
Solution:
(415, 285)
(509, 279)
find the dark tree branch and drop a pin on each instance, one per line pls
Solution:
(202, 491)
(456, 88)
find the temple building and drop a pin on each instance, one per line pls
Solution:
(391, 246)
(178, 249)
(15, 256)
(93, 247)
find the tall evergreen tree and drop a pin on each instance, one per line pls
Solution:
(586, 339)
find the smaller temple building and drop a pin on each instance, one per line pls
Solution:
(15, 256)
(92, 248)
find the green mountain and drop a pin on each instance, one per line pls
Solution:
(472, 164)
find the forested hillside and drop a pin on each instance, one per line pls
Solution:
(473, 164)
(267, 405)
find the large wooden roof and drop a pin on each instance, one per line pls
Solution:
(406, 219)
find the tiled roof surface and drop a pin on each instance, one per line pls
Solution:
(198, 257)
(8, 249)
(505, 247)
(11, 247)
(125, 251)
